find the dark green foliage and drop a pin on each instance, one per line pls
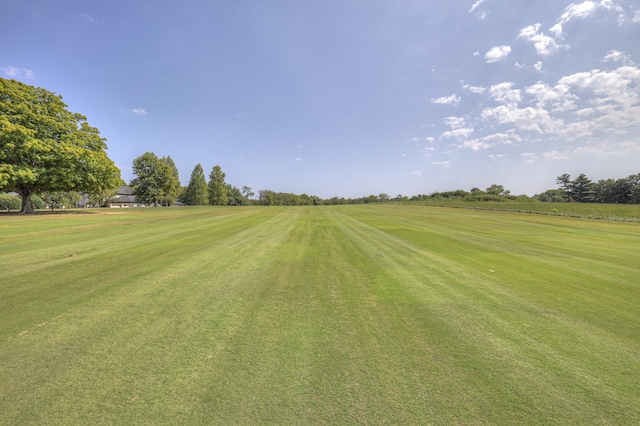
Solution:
(59, 199)
(217, 187)
(564, 182)
(37, 202)
(196, 193)
(235, 197)
(497, 190)
(551, 196)
(582, 189)
(45, 147)
(176, 188)
(610, 191)
(157, 180)
(10, 202)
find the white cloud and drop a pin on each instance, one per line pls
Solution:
(585, 112)
(489, 141)
(497, 157)
(582, 11)
(464, 132)
(504, 93)
(476, 145)
(577, 11)
(525, 119)
(555, 155)
(455, 122)
(419, 174)
(497, 53)
(430, 139)
(529, 157)
(556, 30)
(586, 107)
(620, 87)
(636, 16)
(538, 66)
(447, 100)
(19, 73)
(586, 8)
(476, 5)
(93, 20)
(617, 56)
(517, 65)
(558, 97)
(138, 111)
(474, 89)
(298, 159)
(441, 163)
(544, 44)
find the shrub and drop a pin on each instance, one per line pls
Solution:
(38, 202)
(10, 202)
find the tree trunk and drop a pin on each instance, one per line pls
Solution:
(27, 207)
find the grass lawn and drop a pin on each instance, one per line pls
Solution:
(370, 314)
(618, 212)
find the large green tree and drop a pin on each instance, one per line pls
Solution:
(566, 186)
(175, 187)
(156, 182)
(582, 189)
(196, 193)
(235, 197)
(496, 189)
(45, 148)
(217, 187)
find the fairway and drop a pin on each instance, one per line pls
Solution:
(368, 314)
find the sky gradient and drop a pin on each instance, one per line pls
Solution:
(346, 98)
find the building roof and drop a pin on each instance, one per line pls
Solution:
(124, 199)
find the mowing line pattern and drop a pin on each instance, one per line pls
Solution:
(318, 315)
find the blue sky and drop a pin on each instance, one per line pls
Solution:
(346, 98)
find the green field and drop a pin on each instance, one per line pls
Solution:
(370, 314)
(617, 212)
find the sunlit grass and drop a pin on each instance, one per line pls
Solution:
(617, 212)
(318, 315)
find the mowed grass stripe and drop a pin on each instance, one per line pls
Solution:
(132, 313)
(342, 315)
(532, 330)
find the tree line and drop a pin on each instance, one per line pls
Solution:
(584, 190)
(49, 156)
(157, 183)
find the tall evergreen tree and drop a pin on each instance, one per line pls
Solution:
(565, 184)
(174, 187)
(217, 187)
(582, 189)
(196, 193)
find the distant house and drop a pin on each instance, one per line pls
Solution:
(124, 198)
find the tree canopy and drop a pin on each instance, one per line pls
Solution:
(196, 193)
(583, 190)
(218, 195)
(157, 180)
(45, 147)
